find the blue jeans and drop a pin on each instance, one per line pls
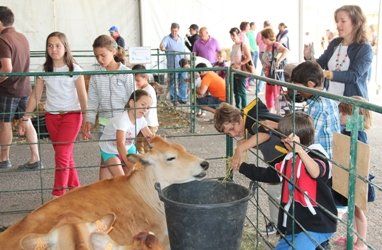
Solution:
(303, 241)
(179, 93)
(255, 57)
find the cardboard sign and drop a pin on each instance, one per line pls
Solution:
(341, 155)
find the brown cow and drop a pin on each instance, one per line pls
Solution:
(133, 199)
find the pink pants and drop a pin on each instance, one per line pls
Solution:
(63, 130)
(272, 92)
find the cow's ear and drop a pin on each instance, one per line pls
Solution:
(138, 158)
(35, 241)
(101, 241)
(105, 224)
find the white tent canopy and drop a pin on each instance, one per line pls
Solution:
(146, 22)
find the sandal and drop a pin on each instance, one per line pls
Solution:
(340, 241)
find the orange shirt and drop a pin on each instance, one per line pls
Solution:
(215, 85)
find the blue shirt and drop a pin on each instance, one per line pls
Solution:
(173, 45)
(325, 115)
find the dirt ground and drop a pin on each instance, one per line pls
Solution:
(15, 204)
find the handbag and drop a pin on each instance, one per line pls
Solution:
(248, 67)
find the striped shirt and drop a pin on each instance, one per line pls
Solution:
(108, 94)
(325, 115)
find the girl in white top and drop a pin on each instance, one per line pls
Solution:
(65, 105)
(142, 82)
(117, 140)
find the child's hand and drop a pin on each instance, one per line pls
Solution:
(294, 138)
(86, 127)
(237, 158)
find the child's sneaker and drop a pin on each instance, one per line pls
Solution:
(270, 229)
(201, 114)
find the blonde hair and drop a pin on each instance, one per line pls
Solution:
(222, 53)
(347, 109)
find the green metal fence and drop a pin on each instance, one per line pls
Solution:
(354, 125)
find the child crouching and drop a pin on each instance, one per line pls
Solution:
(310, 186)
(117, 140)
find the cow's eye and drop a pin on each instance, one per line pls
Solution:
(170, 158)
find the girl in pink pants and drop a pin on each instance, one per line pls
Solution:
(66, 102)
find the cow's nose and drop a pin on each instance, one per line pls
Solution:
(204, 165)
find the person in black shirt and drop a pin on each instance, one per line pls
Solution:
(192, 37)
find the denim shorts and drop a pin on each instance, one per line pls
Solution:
(208, 100)
(12, 107)
(106, 156)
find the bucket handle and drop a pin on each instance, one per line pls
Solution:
(159, 190)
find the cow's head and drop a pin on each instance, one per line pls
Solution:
(171, 163)
(69, 233)
(141, 241)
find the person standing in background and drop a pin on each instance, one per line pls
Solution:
(262, 47)
(171, 44)
(282, 37)
(244, 29)
(252, 43)
(206, 46)
(347, 59)
(192, 37)
(14, 91)
(114, 33)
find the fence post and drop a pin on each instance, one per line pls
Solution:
(353, 124)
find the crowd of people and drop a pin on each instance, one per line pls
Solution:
(122, 107)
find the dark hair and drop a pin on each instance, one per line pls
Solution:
(6, 16)
(251, 24)
(283, 25)
(266, 24)
(139, 67)
(243, 25)
(183, 62)
(234, 31)
(194, 27)
(201, 65)
(104, 41)
(308, 71)
(136, 95)
(304, 127)
(68, 58)
(358, 20)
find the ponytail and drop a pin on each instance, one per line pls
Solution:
(120, 56)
